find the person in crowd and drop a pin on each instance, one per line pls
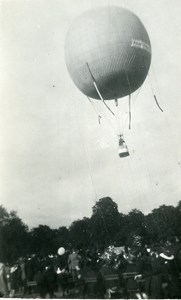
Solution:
(23, 283)
(154, 282)
(41, 282)
(15, 275)
(3, 281)
(29, 269)
(171, 283)
(61, 266)
(73, 263)
(7, 271)
(51, 281)
(100, 286)
(132, 269)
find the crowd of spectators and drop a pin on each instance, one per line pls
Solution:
(116, 272)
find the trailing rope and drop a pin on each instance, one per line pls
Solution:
(97, 90)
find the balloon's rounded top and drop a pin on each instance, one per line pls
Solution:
(111, 46)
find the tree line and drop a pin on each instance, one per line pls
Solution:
(106, 226)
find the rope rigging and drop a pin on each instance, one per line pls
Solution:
(158, 103)
(130, 111)
(87, 160)
(98, 115)
(97, 90)
(101, 116)
(122, 150)
(130, 91)
(151, 86)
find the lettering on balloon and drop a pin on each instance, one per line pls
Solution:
(141, 45)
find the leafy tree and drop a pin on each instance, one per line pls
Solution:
(105, 221)
(4, 215)
(80, 233)
(161, 223)
(178, 207)
(122, 234)
(178, 220)
(134, 225)
(13, 235)
(42, 240)
(61, 237)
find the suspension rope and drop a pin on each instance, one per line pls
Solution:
(129, 111)
(133, 100)
(165, 118)
(140, 136)
(87, 160)
(118, 121)
(97, 90)
(130, 91)
(151, 86)
(98, 115)
(90, 170)
(177, 155)
(158, 103)
(103, 116)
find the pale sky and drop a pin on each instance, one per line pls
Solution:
(55, 158)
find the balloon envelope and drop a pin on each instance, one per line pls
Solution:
(61, 251)
(113, 43)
